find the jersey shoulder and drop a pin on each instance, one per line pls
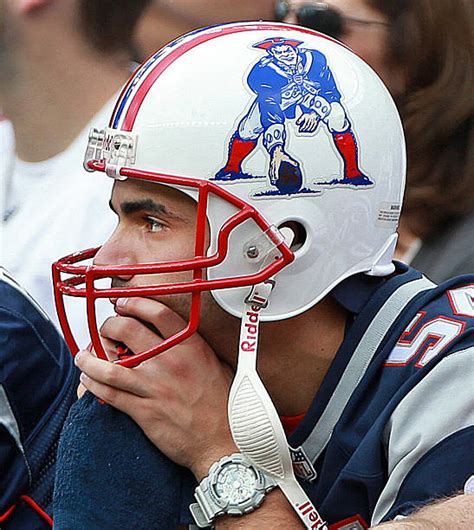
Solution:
(16, 301)
(33, 353)
(441, 323)
(37, 387)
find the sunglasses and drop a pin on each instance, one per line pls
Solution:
(320, 17)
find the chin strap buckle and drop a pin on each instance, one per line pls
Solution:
(260, 293)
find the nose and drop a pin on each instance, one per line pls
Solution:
(114, 252)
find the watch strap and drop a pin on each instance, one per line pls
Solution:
(202, 511)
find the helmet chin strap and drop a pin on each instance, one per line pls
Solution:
(254, 421)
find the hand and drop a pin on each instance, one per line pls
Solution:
(178, 398)
(308, 122)
(277, 157)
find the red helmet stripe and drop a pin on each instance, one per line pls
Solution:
(162, 65)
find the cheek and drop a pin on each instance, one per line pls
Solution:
(168, 249)
(164, 246)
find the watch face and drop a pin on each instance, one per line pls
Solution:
(235, 484)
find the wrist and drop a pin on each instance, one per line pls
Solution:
(200, 468)
(274, 137)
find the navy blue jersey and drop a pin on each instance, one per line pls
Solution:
(404, 434)
(37, 386)
(390, 428)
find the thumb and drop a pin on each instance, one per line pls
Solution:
(291, 161)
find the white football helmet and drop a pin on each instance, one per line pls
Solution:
(265, 125)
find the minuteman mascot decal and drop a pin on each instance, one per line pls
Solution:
(292, 84)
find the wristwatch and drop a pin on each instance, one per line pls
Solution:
(233, 487)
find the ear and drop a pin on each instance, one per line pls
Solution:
(26, 7)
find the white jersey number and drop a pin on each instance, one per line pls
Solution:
(427, 342)
(436, 334)
(462, 301)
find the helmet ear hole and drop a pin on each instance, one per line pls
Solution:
(299, 232)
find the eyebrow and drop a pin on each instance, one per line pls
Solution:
(148, 205)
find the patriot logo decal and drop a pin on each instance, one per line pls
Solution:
(291, 84)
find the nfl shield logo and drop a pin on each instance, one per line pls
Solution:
(302, 465)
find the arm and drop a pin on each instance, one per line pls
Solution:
(324, 78)
(275, 513)
(179, 399)
(456, 513)
(267, 86)
(268, 89)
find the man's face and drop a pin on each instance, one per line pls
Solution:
(285, 54)
(157, 224)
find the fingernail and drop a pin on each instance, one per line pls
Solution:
(121, 302)
(77, 358)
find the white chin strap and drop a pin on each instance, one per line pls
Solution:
(254, 421)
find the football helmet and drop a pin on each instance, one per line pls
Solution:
(264, 125)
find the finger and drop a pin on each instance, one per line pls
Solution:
(112, 348)
(130, 331)
(164, 319)
(291, 161)
(271, 172)
(306, 126)
(120, 399)
(110, 374)
(300, 120)
(81, 390)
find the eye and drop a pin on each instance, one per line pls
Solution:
(154, 225)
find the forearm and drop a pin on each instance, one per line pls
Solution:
(275, 513)
(456, 513)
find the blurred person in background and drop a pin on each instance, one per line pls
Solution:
(166, 19)
(7, 145)
(424, 52)
(61, 63)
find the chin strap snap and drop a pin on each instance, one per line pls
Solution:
(254, 421)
